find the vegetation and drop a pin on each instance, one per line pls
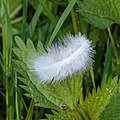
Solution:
(27, 26)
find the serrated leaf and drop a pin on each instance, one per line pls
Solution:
(18, 52)
(64, 93)
(65, 115)
(47, 90)
(32, 92)
(22, 72)
(51, 95)
(30, 46)
(100, 13)
(70, 91)
(40, 47)
(21, 54)
(96, 103)
(25, 81)
(19, 64)
(112, 110)
(20, 43)
(24, 87)
(97, 22)
(28, 95)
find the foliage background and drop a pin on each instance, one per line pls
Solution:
(43, 21)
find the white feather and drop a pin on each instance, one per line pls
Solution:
(62, 60)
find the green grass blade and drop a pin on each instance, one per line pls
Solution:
(49, 13)
(61, 20)
(92, 77)
(35, 18)
(113, 45)
(107, 66)
(30, 111)
(16, 11)
(7, 50)
(16, 97)
(74, 22)
(6, 34)
(25, 6)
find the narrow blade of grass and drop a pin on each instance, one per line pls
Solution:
(74, 22)
(16, 97)
(7, 50)
(49, 14)
(61, 20)
(107, 66)
(25, 6)
(34, 20)
(30, 111)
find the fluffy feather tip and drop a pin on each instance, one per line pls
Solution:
(62, 60)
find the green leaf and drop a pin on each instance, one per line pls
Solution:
(21, 54)
(97, 22)
(96, 102)
(19, 64)
(30, 47)
(112, 110)
(20, 43)
(40, 47)
(70, 90)
(100, 13)
(24, 87)
(66, 92)
(35, 94)
(18, 53)
(65, 115)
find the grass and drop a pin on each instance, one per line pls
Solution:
(44, 21)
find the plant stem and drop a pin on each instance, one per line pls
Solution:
(7, 99)
(74, 20)
(113, 45)
(30, 110)
(92, 77)
(16, 98)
